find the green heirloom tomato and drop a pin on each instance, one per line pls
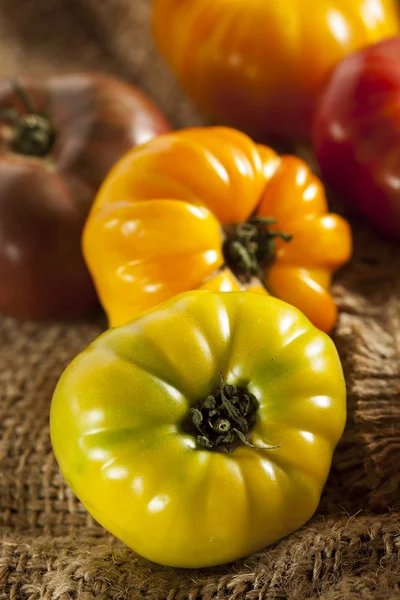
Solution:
(203, 430)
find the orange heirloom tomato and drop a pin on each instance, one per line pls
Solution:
(208, 208)
(260, 64)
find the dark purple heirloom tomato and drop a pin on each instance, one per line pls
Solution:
(59, 137)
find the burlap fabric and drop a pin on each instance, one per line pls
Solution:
(50, 547)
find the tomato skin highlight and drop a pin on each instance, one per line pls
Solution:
(118, 426)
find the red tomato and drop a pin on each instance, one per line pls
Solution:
(58, 139)
(357, 134)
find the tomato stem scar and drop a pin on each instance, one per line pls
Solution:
(250, 246)
(33, 134)
(225, 418)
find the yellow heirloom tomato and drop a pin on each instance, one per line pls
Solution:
(203, 430)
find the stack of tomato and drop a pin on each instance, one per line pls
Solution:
(201, 426)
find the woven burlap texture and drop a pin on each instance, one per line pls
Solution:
(50, 547)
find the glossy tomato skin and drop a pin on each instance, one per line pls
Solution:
(259, 65)
(357, 134)
(118, 427)
(158, 224)
(44, 201)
